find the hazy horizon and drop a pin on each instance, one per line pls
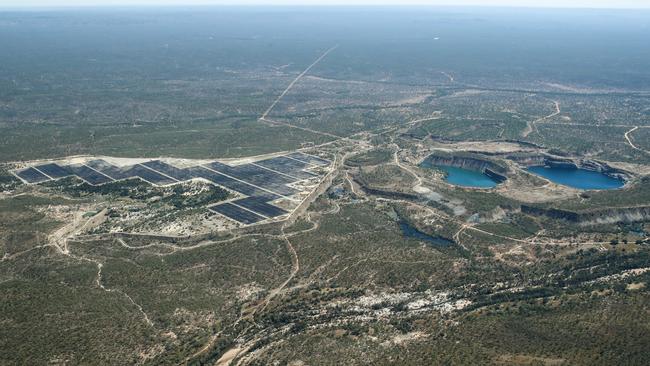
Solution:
(593, 4)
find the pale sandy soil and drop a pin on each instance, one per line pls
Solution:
(528, 360)
(518, 189)
(549, 192)
(416, 99)
(318, 78)
(635, 286)
(466, 93)
(579, 89)
(122, 162)
(227, 357)
(487, 146)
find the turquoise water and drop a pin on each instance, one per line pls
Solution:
(463, 177)
(409, 231)
(577, 178)
(466, 178)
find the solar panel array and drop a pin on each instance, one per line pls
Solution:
(262, 182)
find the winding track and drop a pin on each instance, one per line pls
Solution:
(532, 126)
(59, 241)
(629, 140)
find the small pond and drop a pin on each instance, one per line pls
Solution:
(577, 178)
(409, 231)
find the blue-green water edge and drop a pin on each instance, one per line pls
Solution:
(577, 178)
(463, 177)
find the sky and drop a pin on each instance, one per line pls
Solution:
(523, 3)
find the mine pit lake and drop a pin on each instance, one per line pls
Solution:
(463, 177)
(577, 178)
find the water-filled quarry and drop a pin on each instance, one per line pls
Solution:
(477, 171)
(577, 178)
(464, 172)
(466, 178)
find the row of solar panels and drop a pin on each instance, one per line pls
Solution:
(248, 210)
(94, 172)
(274, 171)
(262, 181)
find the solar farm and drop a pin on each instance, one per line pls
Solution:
(262, 189)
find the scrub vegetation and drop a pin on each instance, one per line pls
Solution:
(528, 272)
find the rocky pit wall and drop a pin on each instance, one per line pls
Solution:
(593, 217)
(553, 161)
(488, 168)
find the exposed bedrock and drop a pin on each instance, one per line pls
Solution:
(494, 175)
(489, 168)
(593, 217)
(575, 163)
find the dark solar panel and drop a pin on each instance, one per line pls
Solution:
(89, 175)
(264, 175)
(150, 176)
(53, 170)
(287, 166)
(134, 171)
(230, 183)
(237, 213)
(31, 175)
(260, 206)
(309, 158)
(172, 171)
(257, 176)
(223, 168)
(109, 169)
